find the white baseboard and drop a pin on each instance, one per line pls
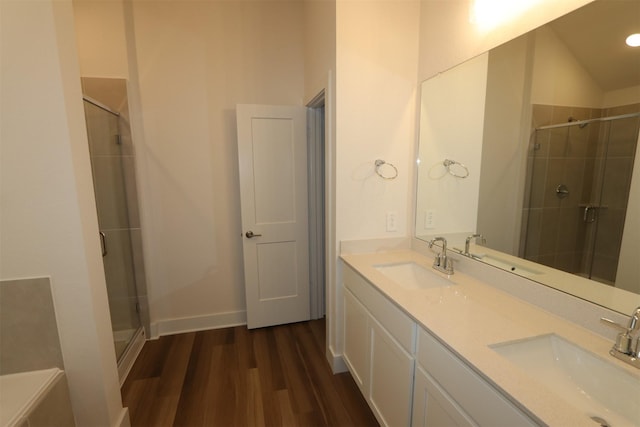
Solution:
(153, 331)
(336, 362)
(198, 323)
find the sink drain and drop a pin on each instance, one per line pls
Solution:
(601, 421)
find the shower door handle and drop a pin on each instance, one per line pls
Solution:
(103, 244)
(589, 218)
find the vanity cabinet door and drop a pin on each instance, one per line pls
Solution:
(475, 397)
(356, 340)
(391, 378)
(433, 407)
(379, 343)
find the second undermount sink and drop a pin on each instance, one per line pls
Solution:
(603, 391)
(410, 275)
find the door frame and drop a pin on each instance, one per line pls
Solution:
(316, 170)
(332, 294)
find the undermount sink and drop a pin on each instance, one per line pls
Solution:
(410, 275)
(603, 391)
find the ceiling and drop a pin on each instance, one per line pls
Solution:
(596, 35)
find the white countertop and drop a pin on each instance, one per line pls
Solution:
(472, 315)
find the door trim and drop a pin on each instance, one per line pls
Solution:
(316, 181)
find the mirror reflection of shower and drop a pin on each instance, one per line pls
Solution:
(579, 173)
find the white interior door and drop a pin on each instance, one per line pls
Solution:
(272, 151)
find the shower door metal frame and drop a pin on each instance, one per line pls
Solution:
(103, 238)
(591, 211)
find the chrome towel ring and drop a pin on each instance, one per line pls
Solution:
(392, 175)
(462, 171)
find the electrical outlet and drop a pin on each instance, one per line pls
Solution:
(430, 219)
(392, 221)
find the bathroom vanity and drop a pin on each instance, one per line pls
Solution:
(427, 349)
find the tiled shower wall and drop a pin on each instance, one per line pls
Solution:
(584, 159)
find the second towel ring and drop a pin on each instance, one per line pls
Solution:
(379, 163)
(448, 163)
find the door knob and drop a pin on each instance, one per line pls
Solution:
(250, 234)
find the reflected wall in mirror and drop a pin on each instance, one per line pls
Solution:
(547, 125)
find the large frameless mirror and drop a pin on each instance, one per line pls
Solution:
(533, 145)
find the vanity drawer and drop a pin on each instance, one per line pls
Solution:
(394, 320)
(481, 401)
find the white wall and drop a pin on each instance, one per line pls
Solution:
(448, 37)
(376, 81)
(48, 216)
(558, 77)
(626, 96)
(319, 45)
(376, 89)
(101, 38)
(506, 136)
(451, 127)
(195, 61)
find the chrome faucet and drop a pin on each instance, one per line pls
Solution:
(442, 262)
(627, 346)
(468, 241)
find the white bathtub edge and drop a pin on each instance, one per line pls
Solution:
(27, 391)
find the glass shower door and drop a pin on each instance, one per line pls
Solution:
(579, 179)
(111, 167)
(614, 168)
(556, 167)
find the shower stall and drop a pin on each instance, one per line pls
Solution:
(112, 165)
(578, 182)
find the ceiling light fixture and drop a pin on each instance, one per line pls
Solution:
(634, 40)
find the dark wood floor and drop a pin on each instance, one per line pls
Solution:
(274, 376)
